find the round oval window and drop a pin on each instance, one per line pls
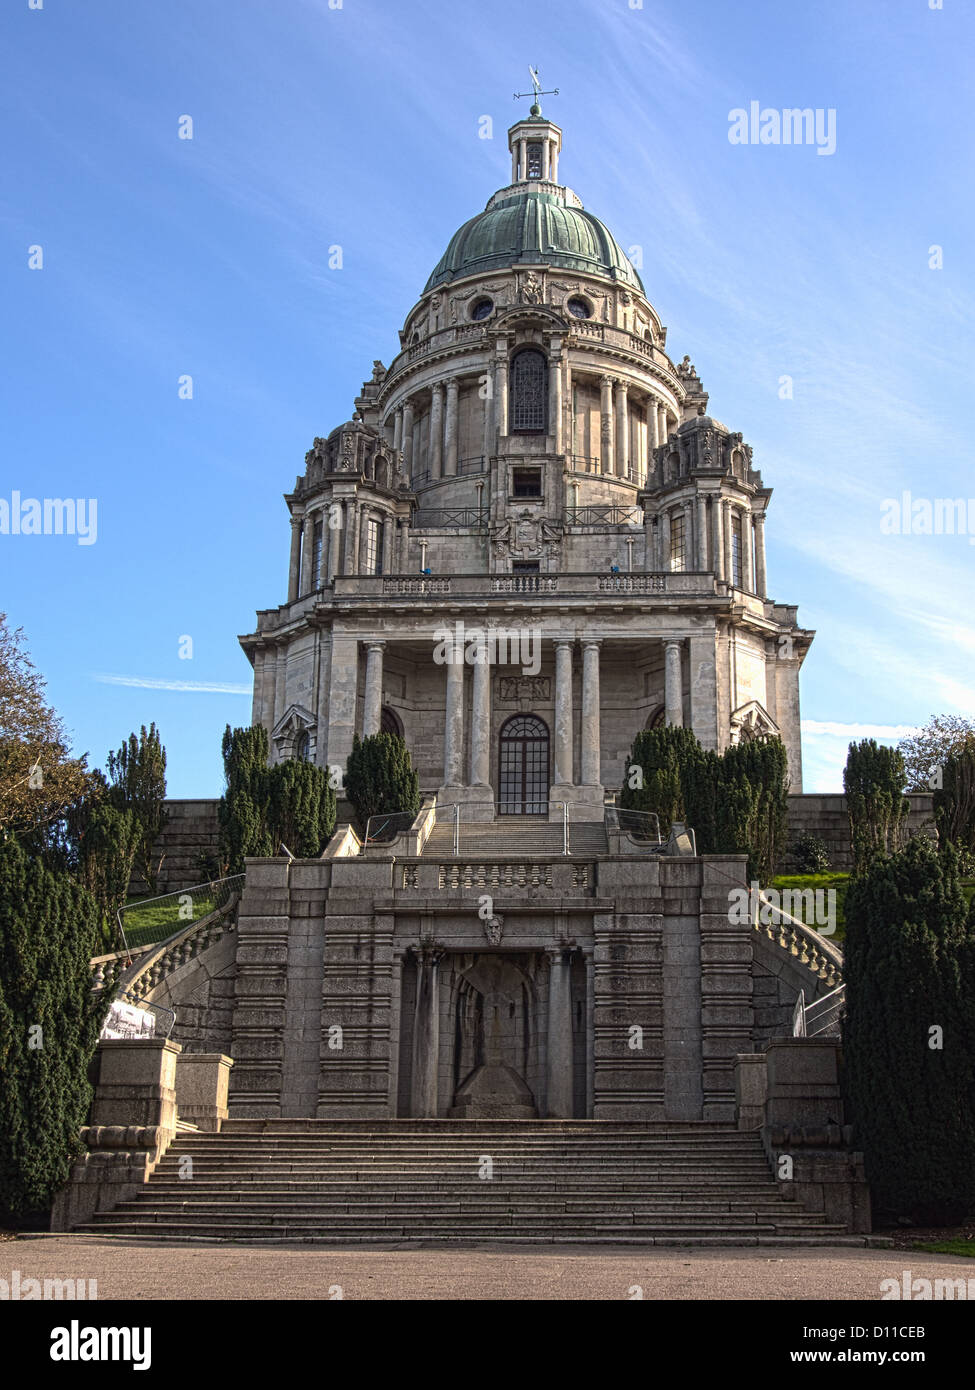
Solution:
(482, 308)
(578, 308)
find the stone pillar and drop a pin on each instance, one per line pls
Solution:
(761, 577)
(388, 524)
(398, 429)
(307, 534)
(406, 438)
(747, 562)
(662, 424)
(295, 560)
(350, 538)
(546, 161)
(554, 169)
(202, 1084)
(729, 568)
(590, 769)
(702, 532)
(453, 746)
(450, 428)
(280, 684)
(688, 536)
(501, 390)
(486, 392)
(436, 431)
(717, 518)
(342, 689)
(356, 537)
(481, 726)
(702, 661)
(257, 704)
(372, 711)
(653, 422)
(426, 1032)
(563, 713)
(606, 423)
(622, 429)
(267, 688)
(523, 157)
(673, 684)
(334, 519)
(665, 541)
(559, 1070)
(556, 421)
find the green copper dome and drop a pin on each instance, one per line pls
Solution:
(534, 229)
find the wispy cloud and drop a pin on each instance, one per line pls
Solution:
(194, 687)
(830, 726)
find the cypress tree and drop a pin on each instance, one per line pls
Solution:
(301, 807)
(954, 801)
(874, 780)
(380, 779)
(909, 1033)
(49, 1025)
(652, 781)
(243, 806)
(137, 773)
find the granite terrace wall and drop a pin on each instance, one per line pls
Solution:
(824, 814)
(192, 828)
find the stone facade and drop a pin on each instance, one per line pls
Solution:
(533, 466)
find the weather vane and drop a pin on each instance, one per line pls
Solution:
(536, 92)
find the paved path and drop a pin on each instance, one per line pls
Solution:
(205, 1271)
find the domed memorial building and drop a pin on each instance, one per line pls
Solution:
(530, 542)
(533, 467)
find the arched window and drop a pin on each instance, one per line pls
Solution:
(523, 766)
(528, 394)
(302, 746)
(389, 722)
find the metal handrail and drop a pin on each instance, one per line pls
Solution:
(387, 817)
(220, 897)
(457, 806)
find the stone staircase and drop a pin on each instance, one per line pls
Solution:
(394, 1181)
(516, 835)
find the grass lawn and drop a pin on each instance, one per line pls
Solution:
(950, 1247)
(822, 881)
(149, 922)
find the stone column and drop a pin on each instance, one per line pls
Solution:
(350, 556)
(606, 423)
(590, 770)
(688, 536)
(343, 683)
(257, 704)
(295, 558)
(559, 1035)
(453, 745)
(398, 429)
(387, 523)
(335, 519)
(436, 431)
(280, 684)
(662, 424)
(653, 422)
(307, 538)
(673, 684)
(372, 710)
(761, 577)
(556, 422)
(426, 1032)
(450, 428)
(747, 563)
(481, 726)
(486, 384)
(717, 518)
(268, 688)
(622, 429)
(563, 713)
(501, 390)
(523, 157)
(554, 169)
(545, 160)
(406, 438)
(665, 540)
(729, 568)
(702, 532)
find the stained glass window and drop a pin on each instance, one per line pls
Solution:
(528, 408)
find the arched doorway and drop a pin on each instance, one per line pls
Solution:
(523, 766)
(390, 722)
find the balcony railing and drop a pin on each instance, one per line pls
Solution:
(604, 516)
(483, 586)
(586, 463)
(449, 518)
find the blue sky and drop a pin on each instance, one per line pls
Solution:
(358, 126)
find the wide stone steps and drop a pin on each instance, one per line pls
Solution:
(517, 835)
(356, 1182)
